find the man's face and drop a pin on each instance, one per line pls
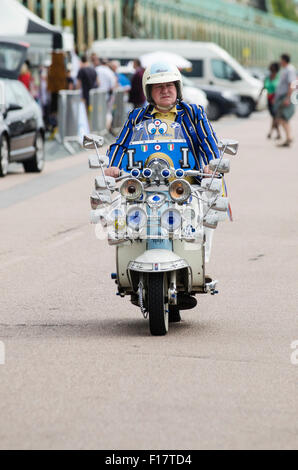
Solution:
(94, 60)
(283, 63)
(164, 94)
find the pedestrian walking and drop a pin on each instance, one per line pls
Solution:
(86, 80)
(122, 81)
(270, 84)
(25, 76)
(284, 109)
(107, 83)
(44, 98)
(106, 77)
(69, 78)
(136, 95)
(56, 82)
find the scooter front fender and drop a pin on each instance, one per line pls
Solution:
(157, 260)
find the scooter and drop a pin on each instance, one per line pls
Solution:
(160, 213)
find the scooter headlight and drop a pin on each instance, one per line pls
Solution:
(171, 220)
(136, 218)
(131, 189)
(180, 190)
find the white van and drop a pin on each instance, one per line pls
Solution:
(211, 64)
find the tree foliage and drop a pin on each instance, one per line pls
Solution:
(285, 8)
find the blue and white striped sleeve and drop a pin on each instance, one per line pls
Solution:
(208, 139)
(117, 149)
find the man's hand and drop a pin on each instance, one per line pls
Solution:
(287, 101)
(207, 170)
(112, 171)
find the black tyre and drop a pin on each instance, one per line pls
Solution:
(213, 111)
(4, 156)
(158, 304)
(245, 108)
(174, 314)
(36, 163)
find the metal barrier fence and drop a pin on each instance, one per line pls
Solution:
(119, 110)
(72, 117)
(69, 103)
(99, 109)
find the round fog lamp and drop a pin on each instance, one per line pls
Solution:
(180, 190)
(131, 189)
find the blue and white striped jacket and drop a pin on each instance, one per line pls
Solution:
(198, 132)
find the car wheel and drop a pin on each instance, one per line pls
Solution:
(36, 163)
(4, 156)
(213, 111)
(245, 108)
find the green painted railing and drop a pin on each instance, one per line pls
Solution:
(253, 37)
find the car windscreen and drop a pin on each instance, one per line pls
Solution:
(12, 57)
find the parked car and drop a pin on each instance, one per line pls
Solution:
(22, 128)
(257, 72)
(220, 100)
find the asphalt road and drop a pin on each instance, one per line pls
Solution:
(81, 369)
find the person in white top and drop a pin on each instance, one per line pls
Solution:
(106, 77)
(283, 105)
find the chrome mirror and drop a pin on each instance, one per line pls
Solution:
(228, 146)
(106, 182)
(210, 221)
(220, 204)
(221, 166)
(212, 184)
(98, 215)
(100, 197)
(92, 141)
(98, 161)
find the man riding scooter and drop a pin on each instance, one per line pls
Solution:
(162, 85)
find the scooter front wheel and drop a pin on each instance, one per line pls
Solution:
(158, 304)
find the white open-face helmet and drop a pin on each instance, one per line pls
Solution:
(161, 73)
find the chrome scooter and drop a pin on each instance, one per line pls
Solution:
(160, 216)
